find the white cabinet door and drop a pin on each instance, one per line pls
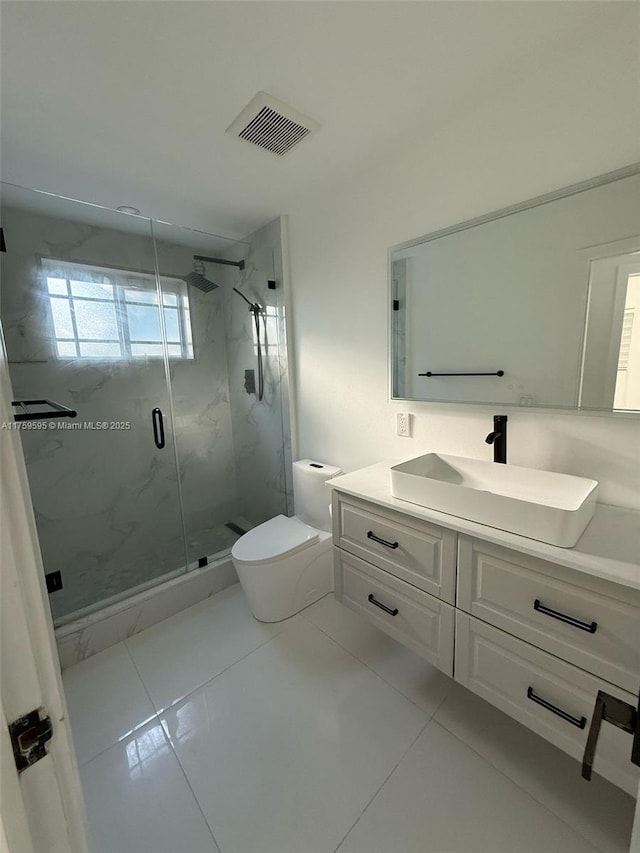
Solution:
(592, 623)
(420, 553)
(546, 694)
(41, 808)
(414, 618)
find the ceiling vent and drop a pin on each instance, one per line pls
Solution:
(271, 124)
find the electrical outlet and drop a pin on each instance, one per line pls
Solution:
(404, 424)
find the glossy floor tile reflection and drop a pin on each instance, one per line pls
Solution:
(306, 734)
(189, 649)
(212, 731)
(138, 799)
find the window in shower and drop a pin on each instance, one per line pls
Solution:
(108, 313)
(269, 339)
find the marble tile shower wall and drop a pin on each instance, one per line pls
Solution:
(106, 502)
(261, 430)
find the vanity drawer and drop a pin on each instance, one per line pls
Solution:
(416, 551)
(530, 598)
(412, 617)
(517, 678)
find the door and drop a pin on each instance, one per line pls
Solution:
(41, 808)
(635, 836)
(609, 708)
(611, 359)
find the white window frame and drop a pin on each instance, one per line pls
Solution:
(121, 280)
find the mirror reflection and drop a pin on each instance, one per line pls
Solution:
(532, 306)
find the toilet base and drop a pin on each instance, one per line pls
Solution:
(276, 591)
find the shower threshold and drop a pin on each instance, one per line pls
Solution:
(239, 526)
(88, 631)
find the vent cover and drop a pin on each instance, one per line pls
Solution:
(272, 124)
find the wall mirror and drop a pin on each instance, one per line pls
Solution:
(535, 305)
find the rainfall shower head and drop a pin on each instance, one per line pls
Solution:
(196, 279)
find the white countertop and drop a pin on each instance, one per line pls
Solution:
(609, 548)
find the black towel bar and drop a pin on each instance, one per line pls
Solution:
(495, 373)
(59, 411)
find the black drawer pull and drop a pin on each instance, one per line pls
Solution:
(372, 535)
(579, 722)
(591, 627)
(384, 607)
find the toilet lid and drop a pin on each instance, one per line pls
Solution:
(279, 537)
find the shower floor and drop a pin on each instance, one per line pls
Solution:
(212, 543)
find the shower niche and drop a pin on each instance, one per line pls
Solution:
(169, 458)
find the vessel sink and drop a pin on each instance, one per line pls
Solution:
(543, 505)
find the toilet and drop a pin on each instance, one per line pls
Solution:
(286, 564)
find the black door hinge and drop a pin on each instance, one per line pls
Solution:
(612, 710)
(396, 304)
(29, 737)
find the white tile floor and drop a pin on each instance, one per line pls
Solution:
(213, 732)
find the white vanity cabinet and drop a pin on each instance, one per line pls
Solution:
(532, 635)
(414, 618)
(539, 641)
(584, 620)
(420, 553)
(398, 572)
(543, 692)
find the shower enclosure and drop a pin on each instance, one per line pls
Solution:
(171, 455)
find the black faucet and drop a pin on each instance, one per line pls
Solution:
(498, 438)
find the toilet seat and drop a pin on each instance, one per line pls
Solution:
(275, 539)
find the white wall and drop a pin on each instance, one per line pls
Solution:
(565, 123)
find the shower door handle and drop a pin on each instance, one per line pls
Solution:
(158, 428)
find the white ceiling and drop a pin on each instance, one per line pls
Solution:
(127, 102)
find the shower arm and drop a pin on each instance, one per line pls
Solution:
(208, 260)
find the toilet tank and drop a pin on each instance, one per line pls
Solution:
(311, 496)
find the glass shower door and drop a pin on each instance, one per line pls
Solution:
(205, 439)
(82, 318)
(229, 438)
